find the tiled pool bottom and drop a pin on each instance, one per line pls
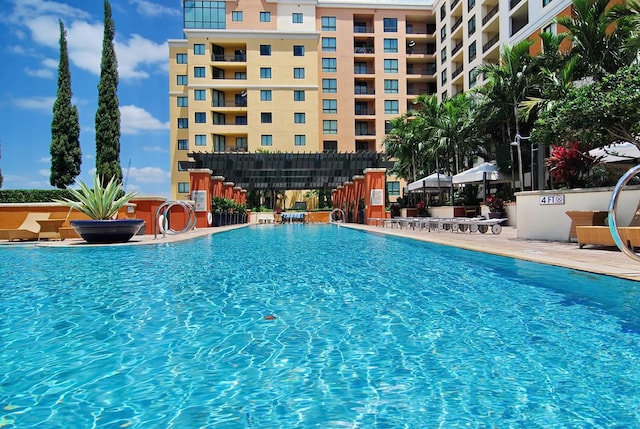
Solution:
(367, 332)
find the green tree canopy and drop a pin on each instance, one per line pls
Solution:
(66, 155)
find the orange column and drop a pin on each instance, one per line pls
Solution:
(227, 190)
(349, 206)
(201, 193)
(236, 194)
(339, 197)
(334, 198)
(358, 195)
(216, 183)
(375, 182)
(243, 196)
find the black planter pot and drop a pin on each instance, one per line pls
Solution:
(497, 215)
(107, 231)
(217, 219)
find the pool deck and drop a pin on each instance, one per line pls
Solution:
(607, 261)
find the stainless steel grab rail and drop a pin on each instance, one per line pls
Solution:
(613, 224)
(163, 210)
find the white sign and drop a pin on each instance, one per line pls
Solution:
(551, 199)
(200, 200)
(377, 197)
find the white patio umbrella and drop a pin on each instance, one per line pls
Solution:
(435, 180)
(617, 152)
(487, 171)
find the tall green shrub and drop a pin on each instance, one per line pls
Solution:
(66, 155)
(108, 113)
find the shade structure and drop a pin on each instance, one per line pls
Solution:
(435, 180)
(487, 171)
(617, 152)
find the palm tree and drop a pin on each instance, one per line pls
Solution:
(598, 40)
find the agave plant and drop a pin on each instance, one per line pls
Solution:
(99, 203)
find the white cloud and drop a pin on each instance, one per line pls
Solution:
(45, 173)
(155, 149)
(137, 56)
(134, 119)
(147, 174)
(147, 8)
(35, 103)
(43, 73)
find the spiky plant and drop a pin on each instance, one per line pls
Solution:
(99, 203)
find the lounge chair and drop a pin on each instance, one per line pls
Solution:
(601, 235)
(28, 230)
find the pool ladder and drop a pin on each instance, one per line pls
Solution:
(613, 224)
(337, 211)
(162, 218)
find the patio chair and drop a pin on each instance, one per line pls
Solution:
(601, 235)
(28, 230)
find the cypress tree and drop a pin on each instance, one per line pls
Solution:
(108, 113)
(66, 155)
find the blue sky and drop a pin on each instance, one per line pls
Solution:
(29, 54)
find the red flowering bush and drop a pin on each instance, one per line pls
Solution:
(495, 204)
(422, 208)
(568, 165)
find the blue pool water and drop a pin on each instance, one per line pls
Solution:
(367, 331)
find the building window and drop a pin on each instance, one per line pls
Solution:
(265, 50)
(443, 33)
(266, 140)
(265, 95)
(298, 95)
(183, 187)
(266, 118)
(182, 79)
(241, 143)
(241, 120)
(265, 72)
(473, 78)
(390, 25)
(265, 16)
(329, 65)
(298, 50)
(391, 107)
(472, 51)
(545, 2)
(201, 140)
(329, 127)
(393, 188)
(329, 44)
(443, 55)
(390, 86)
(183, 123)
(199, 72)
(236, 16)
(183, 101)
(240, 75)
(300, 140)
(299, 118)
(329, 106)
(443, 11)
(298, 72)
(390, 66)
(443, 76)
(471, 25)
(329, 85)
(200, 117)
(296, 18)
(198, 48)
(330, 145)
(472, 3)
(387, 127)
(551, 28)
(391, 45)
(328, 23)
(204, 14)
(181, 58)
(219, 143)
(183, 144)
(200, 94)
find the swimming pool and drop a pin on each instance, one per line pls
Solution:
(311, 326)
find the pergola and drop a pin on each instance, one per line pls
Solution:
(287, 171)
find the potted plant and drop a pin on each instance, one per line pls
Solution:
(496, 207)
(101, 204)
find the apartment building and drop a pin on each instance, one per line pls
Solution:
(472, 32)
(295, 76)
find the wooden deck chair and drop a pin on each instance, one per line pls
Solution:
(29, 229)
(601, 235)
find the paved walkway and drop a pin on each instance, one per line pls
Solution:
(596, 260)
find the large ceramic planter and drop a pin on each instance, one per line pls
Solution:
(107, 231)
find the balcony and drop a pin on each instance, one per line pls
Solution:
(514, 3)
(238, 58)
(454, 3)
(361, 111)
(456, 24)
(456, 48)
(363, 50)
(492, 12)
(363, 90)
(456, 72)
(492, 41)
